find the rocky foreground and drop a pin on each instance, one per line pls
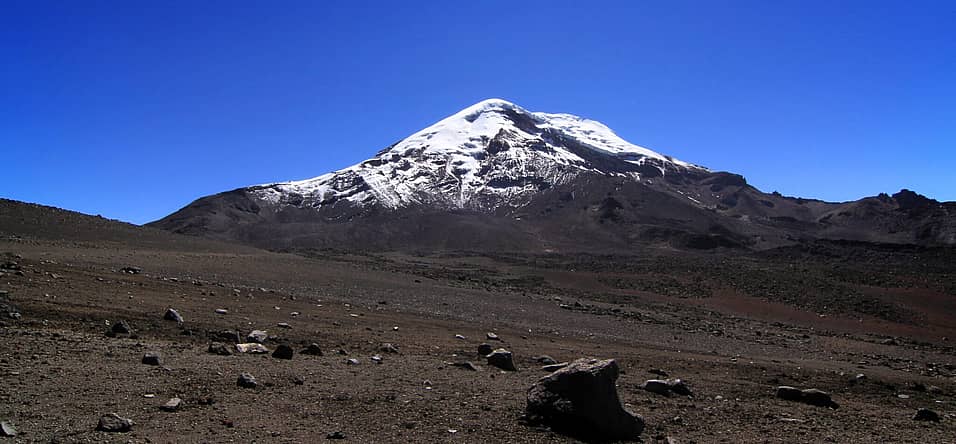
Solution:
(107, 343)
(116, 333)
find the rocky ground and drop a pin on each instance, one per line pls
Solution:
(873, 333)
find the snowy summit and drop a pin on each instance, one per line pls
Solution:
(491, 154)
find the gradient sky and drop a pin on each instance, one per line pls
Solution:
(132, 109)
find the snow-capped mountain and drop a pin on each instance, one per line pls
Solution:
(493, 153)
(496, 177)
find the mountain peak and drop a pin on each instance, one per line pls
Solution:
(491, 154)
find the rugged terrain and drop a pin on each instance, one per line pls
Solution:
(496, 177)
(733, 324)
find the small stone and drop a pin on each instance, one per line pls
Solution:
(466, 365)
(492, 336)
(221, 311)
(152, 358)
(389, 348)
(459, 337)
(258, 336)
(352, 361)
(283, 352)
(788, 393)
(131, 270)
(173, 315)
(298, 380)
(818, 398)
(218, 348)
(172, 405)
(114, 423)
(502, 359)
(7, 429)
(658, 386)
(545, 360)
(485, 349)
(121, 328)
(246, 381)
(926, 415)
(284, 325)
(230, 336)
(376, 359)
(251, 347)
(313, 349)
(335, 435)
(679, 386)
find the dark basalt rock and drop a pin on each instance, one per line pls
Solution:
(581, 400)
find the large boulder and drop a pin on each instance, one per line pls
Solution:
(581, 400)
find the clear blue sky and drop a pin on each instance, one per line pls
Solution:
(132, 109)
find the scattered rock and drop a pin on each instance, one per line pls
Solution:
(658, 386)
(218, 348)
(466, 365)
(283, 352)
(258, 336)
(131, 270)
(335, 435)
(313, 349)
(251, 347)
(459, 337)
(502, 359)
(485, 349)
(172, 405)
(352, 361)
(298, 380)
(231, 336)
(152, 358)
(221, 311)
(284, 325)
(545, 360)
(679, 387)
(389, 348)
(121, 328)
(581, 400)
(173, 315)
(376, 359)
(554, 367)
(926, 415)
(246, 381)
(492, 336)
(818, 398)
(114, 423)
(7, 429)
(814, 397)
(788, 393)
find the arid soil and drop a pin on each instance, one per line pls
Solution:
(734, 327)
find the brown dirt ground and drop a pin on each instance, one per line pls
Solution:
(60, 372)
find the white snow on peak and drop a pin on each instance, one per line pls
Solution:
(452, 162)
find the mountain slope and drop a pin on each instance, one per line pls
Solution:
(495, 176)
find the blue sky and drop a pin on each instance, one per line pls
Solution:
(134, 109)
